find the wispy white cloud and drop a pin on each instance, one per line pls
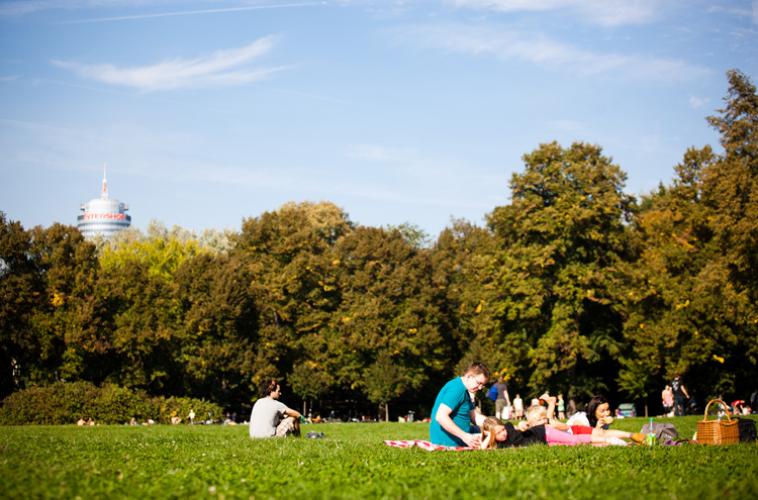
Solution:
(418, 180)
(17, 8)
(427, 179)
(698, 102)
(602, 12)
(743, 11)
(218, 10)
(221, 68)
(24, 7)
(9, 78)
(542, 50)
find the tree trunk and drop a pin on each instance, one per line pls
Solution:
(386, 412)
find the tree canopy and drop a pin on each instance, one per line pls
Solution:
(572, 286)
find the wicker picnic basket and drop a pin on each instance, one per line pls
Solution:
(718, 431)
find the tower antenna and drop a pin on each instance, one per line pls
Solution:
(104, 192)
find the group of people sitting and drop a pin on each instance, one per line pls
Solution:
(456, 421)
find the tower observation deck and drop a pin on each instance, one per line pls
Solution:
(103, 216)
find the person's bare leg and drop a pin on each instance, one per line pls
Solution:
(550, 405)
(613, 433)
(551, 420)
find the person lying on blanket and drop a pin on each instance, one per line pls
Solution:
(454, 411)
(497, 434)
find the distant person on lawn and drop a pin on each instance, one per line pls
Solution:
(454, 411)
(667, 400)
(680, 392)
(518, 407)
(503, 401)
(272, 418)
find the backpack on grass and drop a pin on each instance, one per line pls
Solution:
(747, 430)
(661, 431)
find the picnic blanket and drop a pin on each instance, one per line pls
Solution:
(424, 445)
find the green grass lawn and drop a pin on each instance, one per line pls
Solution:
(353, 462)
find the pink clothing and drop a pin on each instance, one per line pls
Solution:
(555, 437)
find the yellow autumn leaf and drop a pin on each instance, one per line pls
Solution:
(684, 304)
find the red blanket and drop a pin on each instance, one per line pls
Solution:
(424, 445)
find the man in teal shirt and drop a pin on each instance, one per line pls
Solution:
(454, 410)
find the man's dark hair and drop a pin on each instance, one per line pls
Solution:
(268, 387)
(478, 368)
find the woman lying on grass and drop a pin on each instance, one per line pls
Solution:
(598, 419)
(497, 434)
(598, 427)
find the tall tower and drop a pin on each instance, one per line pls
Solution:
(103, 216)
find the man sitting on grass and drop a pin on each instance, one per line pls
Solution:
(454, 411)
(272, 418)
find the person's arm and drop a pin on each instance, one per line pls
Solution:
(507, 397)
(443, 418)
(557, 424)
(292, 413)
(286, 411)
(476, 417)
(684, 390)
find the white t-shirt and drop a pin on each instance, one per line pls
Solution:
(266, 415)
(518, 404)
(579, 418)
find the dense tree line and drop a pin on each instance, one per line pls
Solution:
(573, 286)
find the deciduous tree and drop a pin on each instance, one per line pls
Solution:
(561, 239)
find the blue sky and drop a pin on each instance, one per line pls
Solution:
(207, 112)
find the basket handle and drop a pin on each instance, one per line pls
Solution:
(726, 407)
